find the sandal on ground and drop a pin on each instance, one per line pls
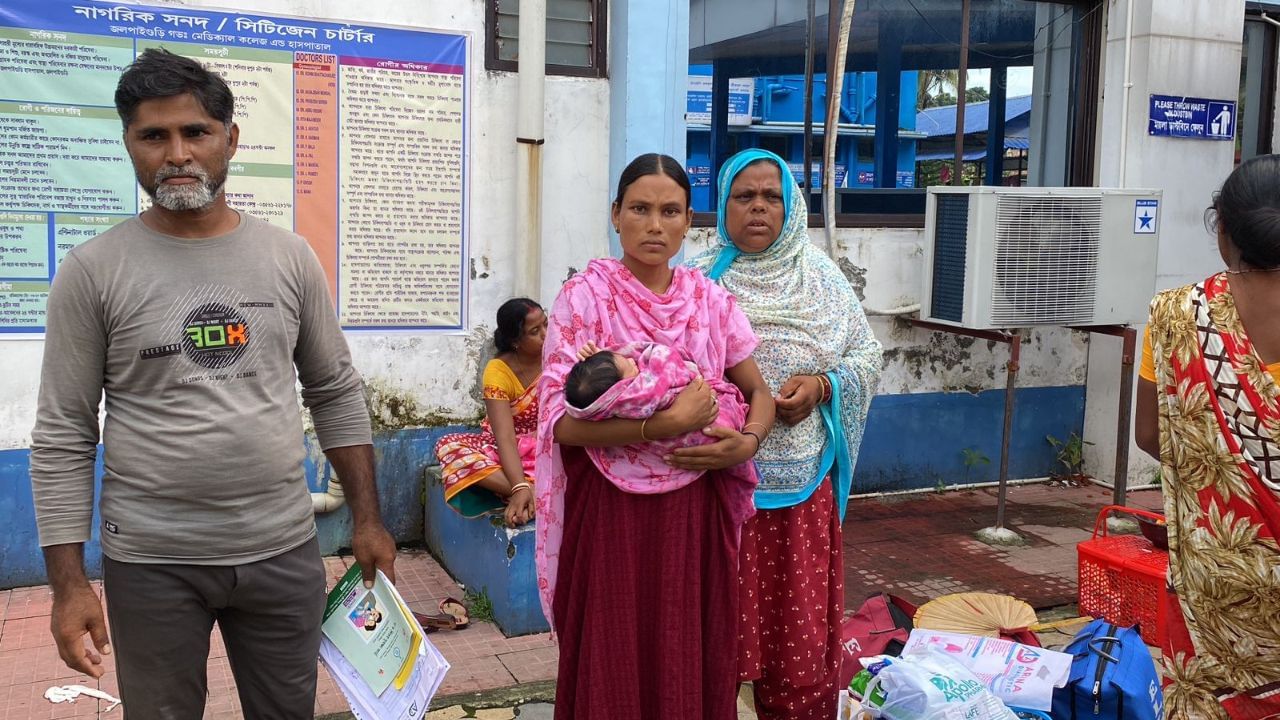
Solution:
(454, 609)
(432, 623)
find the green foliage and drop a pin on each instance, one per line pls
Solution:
(479, 606)
(1070, 455)
(937, 88)
(972, 458)
(929, 172)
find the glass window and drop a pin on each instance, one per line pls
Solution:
(1030, 93)
(575, 36)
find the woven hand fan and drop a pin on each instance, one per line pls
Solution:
(974, 613)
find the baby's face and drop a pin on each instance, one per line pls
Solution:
(627, 367)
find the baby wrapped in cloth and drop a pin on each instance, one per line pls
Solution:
(646, 377)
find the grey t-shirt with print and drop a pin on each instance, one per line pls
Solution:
(195, 344)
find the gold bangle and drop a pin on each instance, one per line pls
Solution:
(761, 425)
(518, 487)
(824, 386)
(642, 437)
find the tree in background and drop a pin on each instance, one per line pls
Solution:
(937, 88)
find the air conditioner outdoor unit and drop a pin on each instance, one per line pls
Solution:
(999, 257)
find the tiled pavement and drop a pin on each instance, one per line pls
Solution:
(482, 658)
(917, 546)
(923, 546)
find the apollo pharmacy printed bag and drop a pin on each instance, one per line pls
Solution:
(930, 686)
(1020, 675)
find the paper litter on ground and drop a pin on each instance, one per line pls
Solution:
(69, 693)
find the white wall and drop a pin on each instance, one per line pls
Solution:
(1179, 47)
(419, 377)
(888, 267)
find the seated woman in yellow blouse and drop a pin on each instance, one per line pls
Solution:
(493, 469)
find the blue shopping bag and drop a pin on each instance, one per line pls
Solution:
(1112, 677)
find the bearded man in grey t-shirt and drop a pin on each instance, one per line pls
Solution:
(197, 322)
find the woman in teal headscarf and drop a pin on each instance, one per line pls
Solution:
(818, 355)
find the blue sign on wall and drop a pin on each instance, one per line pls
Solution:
(905, 179)
(698, 100)
(1188, 117)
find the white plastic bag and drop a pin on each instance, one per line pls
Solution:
(931, 686)
(1018, 674)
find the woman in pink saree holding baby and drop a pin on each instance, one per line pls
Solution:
(638, 565)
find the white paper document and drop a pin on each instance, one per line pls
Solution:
(407, 700)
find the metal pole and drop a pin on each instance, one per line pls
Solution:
(1010, 389)
(810, 40)
(961, 87)
(1126, 409)
(530, 115)
(719, 125)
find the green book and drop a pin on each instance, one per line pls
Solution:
(371, 628)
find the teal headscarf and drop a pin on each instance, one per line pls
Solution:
(728, 251)
(809, 322)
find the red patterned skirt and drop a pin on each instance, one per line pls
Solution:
(644, 603)
(791, 601)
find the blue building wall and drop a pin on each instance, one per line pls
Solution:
(780, 99)
(918, 441)
(911, 442)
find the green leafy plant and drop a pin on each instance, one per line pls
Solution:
(1070, 456)
(972, 458)
(479, 606)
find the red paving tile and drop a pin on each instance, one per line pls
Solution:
(481, 657)
(28, 602)
(922, 546)
(329, 698)
(918, 546)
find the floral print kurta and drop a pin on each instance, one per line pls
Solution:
(1220, 456)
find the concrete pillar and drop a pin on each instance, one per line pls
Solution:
(649, 78)
(888, 105)
(1051, 101)
(1180, 47)
(995, 126)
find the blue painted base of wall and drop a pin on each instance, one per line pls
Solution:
(21, 563)
(918, 441)
(911, 442)
(402, 457)
(483, 554)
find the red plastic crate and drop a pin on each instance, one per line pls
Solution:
(1122, 578)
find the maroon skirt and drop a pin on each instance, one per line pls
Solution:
(791, 600)
(645, 601)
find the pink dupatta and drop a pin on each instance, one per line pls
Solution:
(606, 305)
(664, 373)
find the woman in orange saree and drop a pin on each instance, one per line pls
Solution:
(1208, 409)
(492, 470)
